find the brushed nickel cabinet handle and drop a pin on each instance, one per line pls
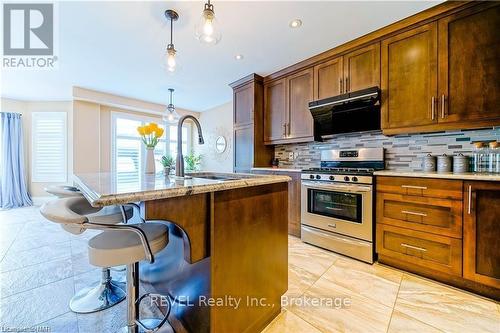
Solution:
(413, 213)
(288, 129)
(333, 208)
(433, 103)
(332, 225)
(443, 98)
(347, 88)
(340, 85)
(284, 130)
(414, 187)
(469, 209)
(414, 247)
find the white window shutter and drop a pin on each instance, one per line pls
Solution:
(49, 147)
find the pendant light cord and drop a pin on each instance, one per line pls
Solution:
(171, 31)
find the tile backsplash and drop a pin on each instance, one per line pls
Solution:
(404, 152)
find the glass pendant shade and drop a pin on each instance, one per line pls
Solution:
(171, 62)
(171, 116)
(207, 29)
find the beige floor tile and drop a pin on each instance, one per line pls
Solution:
(403, 323)
(310, 258)
(288, 322)
(361, 315)
(372, 281)
(299, 280)
(21, 259)
(35, 276)
(37, 305)
(446, 308)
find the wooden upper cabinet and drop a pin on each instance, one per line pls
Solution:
(481, 233)
(299, 121)
(243, 103)
(409, 79)
(274, 110)
(362, 68)
(469, 66)
(328, 79)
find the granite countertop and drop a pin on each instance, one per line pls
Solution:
(105, 188)
(277, 169)
(442, 175)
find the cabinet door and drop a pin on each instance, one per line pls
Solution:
(274, 110)
(362, 68)
(328, 79)
(243, 148)
(409, 79)
(482, 232)
(243, 105)
(469, 66)
(300, 93)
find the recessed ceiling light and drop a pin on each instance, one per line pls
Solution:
(238, 56)
(295, 23)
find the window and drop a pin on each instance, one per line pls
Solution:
(128, 156)
(49, 147)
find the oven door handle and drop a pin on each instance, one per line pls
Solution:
(345, 188)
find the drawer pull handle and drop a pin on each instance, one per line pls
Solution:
(333, 208)
(413, 213)
(332, 225)
(414, 247)
(414, 187)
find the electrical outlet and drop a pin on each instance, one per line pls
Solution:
(291, 156)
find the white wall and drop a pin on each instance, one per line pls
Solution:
(26, 108)
(214, 123)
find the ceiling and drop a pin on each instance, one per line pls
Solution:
(118, 47)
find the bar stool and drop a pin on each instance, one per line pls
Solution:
(106, 292)
(118, 244)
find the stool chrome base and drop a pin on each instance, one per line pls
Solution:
(98, 297)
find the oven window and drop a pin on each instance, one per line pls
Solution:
(341, 205)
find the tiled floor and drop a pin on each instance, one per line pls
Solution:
(41, 266)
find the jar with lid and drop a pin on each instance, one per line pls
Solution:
(494, 157)
(478, 153)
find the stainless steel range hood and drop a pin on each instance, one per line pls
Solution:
(356, 111)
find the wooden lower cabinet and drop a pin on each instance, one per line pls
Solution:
(482, 232)
(293, 198)
(447, 230)
(429, 251)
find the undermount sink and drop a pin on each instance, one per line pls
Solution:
(212, 176)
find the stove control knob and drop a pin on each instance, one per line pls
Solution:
(354, 179)
(346, 178)
(311, 176)
(318, 177)
(332, 178)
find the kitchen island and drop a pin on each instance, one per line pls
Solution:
(231, 269)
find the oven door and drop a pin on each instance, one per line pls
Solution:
(341, 208)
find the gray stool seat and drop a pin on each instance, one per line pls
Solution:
(63, 191)
(114, 248)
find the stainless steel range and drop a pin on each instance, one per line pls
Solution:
(337, 201)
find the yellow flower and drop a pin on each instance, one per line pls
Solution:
(159, 132)
(140, 130)
(153, 126)
(147, 130)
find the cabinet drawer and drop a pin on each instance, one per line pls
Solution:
(428, 251)
(434, 188)
(437, 216)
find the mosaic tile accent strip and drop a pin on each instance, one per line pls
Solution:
(402, 152)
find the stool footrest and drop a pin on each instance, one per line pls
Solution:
(153, 325)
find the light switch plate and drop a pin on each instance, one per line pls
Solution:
(291, 156)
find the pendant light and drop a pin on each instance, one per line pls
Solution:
(207, 31)
(170, 56)
(171, 116)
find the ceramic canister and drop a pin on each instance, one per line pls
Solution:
(443, 163)
(429, 163)
(460, 163)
